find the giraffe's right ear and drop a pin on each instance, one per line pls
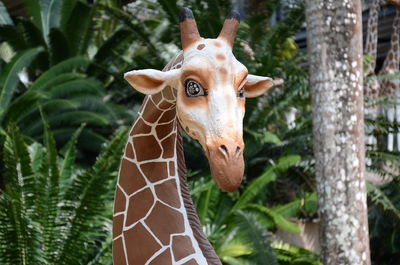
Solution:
(151, 81)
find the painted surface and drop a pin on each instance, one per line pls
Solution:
(203, 91)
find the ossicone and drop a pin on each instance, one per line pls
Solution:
(231, 25)
(188, 27)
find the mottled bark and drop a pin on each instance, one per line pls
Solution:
(334, 34)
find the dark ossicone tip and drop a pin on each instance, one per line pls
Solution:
(185, 13)
(234, 15)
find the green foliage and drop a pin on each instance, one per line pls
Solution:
(51, 210)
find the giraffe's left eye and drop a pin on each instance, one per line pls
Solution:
(194, 89)
(241, 93)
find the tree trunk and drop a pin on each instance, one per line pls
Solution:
(334, 35)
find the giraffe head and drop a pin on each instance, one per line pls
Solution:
(211, 89)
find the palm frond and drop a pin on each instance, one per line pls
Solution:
(9, 76)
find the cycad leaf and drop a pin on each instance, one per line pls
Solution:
(24, 104)
(78, 28)
(4, 16)
(50, 12)
(60, 68)
(9, 77)
(58, 46)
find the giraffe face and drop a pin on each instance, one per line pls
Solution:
(211, 87)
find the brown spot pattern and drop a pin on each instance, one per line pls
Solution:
(217, 44)
(221, 57)
(164, 221)
(119, 199)
(165, 105)
(148, 146)
(168, 193)
(201, 46)
(171, 168)
(156, 98)
(164, 130)
(163, 259)
(168, 116)
(168, 146)
(129, 151)
(151, 113)
(155, 171)
(130, 178)
(182, 247)
(167, 93)
(118, 252)
(140, 127)
(142, 243)
(139, 205)
(118, 224)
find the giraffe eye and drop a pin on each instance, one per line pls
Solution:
(194, 89)
(241, 93)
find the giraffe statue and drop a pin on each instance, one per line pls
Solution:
(390, 87)
(202, 90)
(371, 88)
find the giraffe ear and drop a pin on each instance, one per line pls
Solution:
(258, 85)
(150, 81)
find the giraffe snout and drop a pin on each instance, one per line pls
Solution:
(226, 163)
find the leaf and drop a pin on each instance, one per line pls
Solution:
(50, 13)
(84, 201)
(23, 105)
(379, 197)
(63, 67)
(78, 28)
(51, 196)
(269, 137)
(33, 10)
(9, 76)
(69, 155)
(268, 176)
(291, 209)
(4, 16)
(58, 46)
(279, 220)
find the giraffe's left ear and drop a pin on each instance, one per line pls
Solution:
(150, 81)
(258, 85)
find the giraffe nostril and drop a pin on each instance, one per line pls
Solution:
(237, 150)
(224, 148)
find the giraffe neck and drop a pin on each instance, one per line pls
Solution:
(391, 63)
(154, 218)
(372, 36)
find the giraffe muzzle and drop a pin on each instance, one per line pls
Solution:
(226, 163)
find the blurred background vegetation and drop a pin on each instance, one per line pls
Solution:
(65, 110)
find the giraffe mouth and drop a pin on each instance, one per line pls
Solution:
(226, 163)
